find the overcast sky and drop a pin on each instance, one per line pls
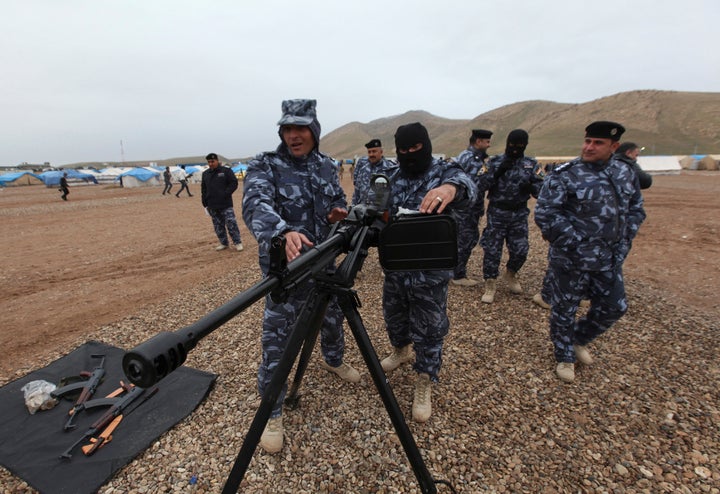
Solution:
(172, 78)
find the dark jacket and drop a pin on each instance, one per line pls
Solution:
(217, 187)
(644, 177)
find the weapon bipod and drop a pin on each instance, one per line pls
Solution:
(305, 333)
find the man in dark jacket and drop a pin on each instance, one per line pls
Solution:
(628, 153)
(217, 187)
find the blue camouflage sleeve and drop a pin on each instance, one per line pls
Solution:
(467, 190)
(259, 208)
(550, 216)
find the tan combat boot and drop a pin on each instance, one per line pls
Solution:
(422, 407)
(582, 354)
(538, 300)
(464, 282)
(398, 357)
(566, 371)
(489, 295)
(272, 437)
(511, 278)
(344, 371)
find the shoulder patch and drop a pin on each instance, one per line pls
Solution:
(563, 167)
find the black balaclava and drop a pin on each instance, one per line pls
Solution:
(407, 136)
(517, 141)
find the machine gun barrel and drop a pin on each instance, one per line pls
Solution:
(151, 361)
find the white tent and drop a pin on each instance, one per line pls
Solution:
(659, 164)
(110, 175)
(141, 177)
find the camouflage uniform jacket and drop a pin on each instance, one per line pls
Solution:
(590, 212)
(364, 170)
(511, 190)
(408, 192)
(282, 193)
(473, 162)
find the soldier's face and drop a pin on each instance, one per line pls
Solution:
(299, 139)
(212, 164)
(596, 149)
(482, 144)
(374, 155)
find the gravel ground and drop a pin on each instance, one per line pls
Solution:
(643, 419)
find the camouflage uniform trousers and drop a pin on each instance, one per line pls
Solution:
(224, 222)
(279, 320)
(468, 224)
(546, 289)
(606, 290)
(416, 312)
(509, 227)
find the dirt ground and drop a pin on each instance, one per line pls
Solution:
(70, 267)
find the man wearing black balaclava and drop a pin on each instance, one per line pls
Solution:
(510, 179)
(415, 302)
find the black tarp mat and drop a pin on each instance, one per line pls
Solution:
(30, 445)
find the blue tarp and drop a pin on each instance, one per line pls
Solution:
(190, 169)
(141, 174)
(52, 178)
(239, 167)
(11, 177)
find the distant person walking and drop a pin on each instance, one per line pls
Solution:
(168, 177)
(216, 188)
(182, 177)
(64, 187)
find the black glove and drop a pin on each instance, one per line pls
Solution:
(504, 167)
(526, 188)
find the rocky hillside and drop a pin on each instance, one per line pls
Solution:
(665, 122)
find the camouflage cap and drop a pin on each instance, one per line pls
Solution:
(298, 112)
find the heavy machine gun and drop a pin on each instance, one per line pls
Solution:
(405, 243)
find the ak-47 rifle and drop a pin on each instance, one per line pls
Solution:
(118, 405)
(106, 435)
(88, 390)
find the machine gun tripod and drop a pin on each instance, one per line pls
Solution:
(151, 361)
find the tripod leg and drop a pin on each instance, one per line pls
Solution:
(348, 303)
(292, 400)
(309, 321)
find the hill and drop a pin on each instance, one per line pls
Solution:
(665, 122)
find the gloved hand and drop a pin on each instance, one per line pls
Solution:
(504, 167)
(526, 188)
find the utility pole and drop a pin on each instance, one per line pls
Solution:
(122, 153)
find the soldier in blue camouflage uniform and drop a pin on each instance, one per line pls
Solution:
(415, 302)
(365, 168)
(589, 209)
(627, 153)
(510, 179)
(295, 192)
(472, 161)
